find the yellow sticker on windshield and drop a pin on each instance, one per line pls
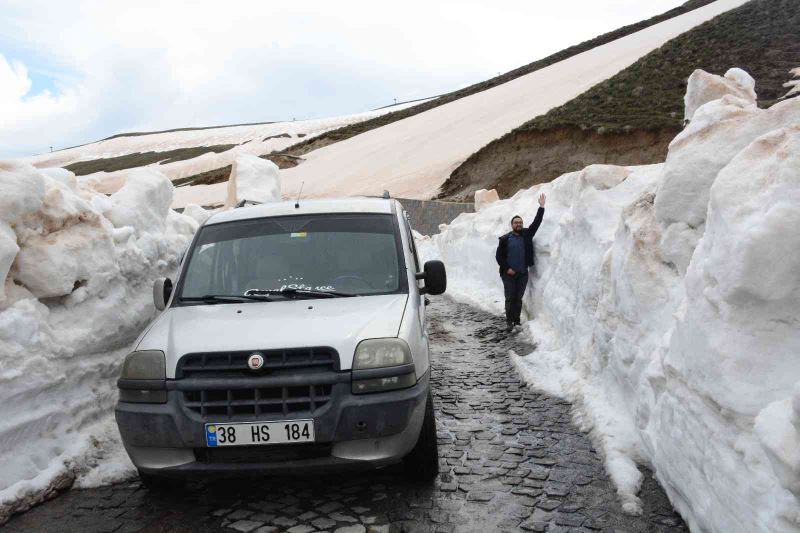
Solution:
(301, 234)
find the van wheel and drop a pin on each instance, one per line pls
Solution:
(422, 464)
(158, 483)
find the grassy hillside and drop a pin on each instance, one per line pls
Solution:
(760, 37)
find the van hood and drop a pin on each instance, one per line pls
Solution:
(340, 323)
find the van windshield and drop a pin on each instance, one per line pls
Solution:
(352, 253)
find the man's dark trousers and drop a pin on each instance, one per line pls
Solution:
(514, 288)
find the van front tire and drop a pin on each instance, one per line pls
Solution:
(422, 463)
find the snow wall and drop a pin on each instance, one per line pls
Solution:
(665, 304)
(77, 270)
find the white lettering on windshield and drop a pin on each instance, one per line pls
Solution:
(297, 285)
(304, 287)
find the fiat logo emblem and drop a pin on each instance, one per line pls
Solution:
(255, 361)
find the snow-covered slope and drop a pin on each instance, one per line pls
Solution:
(254, 140)
(412, 157)
(77, 269)
(162, 142)
(666, 306)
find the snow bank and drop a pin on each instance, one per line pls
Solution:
(703, 87)
(199, 214)
(719, 130)
(484, 198)
(253, 179)
(666, 306)
(77, 269)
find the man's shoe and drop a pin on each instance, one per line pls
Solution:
(517, 323)
(509, 327)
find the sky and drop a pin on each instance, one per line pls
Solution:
(75, 72)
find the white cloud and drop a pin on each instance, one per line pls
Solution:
(22, 112)
(145, 65)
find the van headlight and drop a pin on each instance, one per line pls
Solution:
(382, 365)
(144, 378)
(379, 353)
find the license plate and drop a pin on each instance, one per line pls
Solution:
(255, 433)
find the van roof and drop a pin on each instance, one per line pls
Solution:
(307, 207)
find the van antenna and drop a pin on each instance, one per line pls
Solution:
(297, 203)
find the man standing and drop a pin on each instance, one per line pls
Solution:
(514, 255)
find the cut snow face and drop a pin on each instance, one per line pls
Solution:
(664, 304)
(703, 87)
(484, 198)
(77, 269)
(252, 178)
(413, 157)
(719, 130)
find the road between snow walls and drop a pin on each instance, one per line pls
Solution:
(665, 303)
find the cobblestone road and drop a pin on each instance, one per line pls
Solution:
(511, 461)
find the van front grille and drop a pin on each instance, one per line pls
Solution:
(234, 364)
(220, 385)
(257, 401)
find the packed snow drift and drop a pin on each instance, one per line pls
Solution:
(77, 270)
(665, 303)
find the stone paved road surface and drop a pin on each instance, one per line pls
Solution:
(511, 461)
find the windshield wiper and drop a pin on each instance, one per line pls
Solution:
(227, 298)
(293, 293)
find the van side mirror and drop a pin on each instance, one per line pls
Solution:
(162, 290)
(435, 278)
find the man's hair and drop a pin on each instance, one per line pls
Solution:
(514, 217)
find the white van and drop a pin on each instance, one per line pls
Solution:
(293, 340)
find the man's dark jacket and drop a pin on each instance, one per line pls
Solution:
(502, 247)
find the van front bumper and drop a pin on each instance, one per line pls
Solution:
(352, 431)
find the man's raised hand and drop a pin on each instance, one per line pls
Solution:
(542, 199)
